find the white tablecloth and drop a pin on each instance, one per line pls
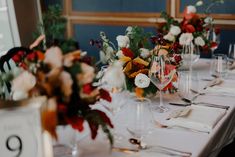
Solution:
(199, 144)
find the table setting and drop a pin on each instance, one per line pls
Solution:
(148, 95)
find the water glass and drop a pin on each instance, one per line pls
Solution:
(188, 81)
(140, 118)
(190, 55)
(219, 65)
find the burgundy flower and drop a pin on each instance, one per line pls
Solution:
(76, 122)
(105, 95)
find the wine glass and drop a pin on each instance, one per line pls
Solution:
(219, 65)
(159, 79)
(140, 118)
(190, 55)
(213, 37)
(231, 52)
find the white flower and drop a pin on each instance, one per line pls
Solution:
(142, 80)
(191, 9)
(186, 38)
(22, 84)
(175, 30)
(103, 57)
(169, 37)
(144, 53)
(54, 57)
(120, 54)
(129, 30)
(123, 41)
(114, 76)
(199, 41)
(208, 20)
(199, 3)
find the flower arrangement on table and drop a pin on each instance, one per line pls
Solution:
(134, 53)
(67, 81)
(192, 29)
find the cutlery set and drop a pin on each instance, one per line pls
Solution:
(141, 146)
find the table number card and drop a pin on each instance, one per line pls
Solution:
(20, 128)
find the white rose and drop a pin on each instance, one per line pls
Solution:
(144, 53)
(142, 80)
(123, 41)
(199, 3)
(22, 84)
(169, 37)
(114, 76)
(54, 57)
(199, 41)
(120, 54)
(191, 9)
(175, 30)
(186, 38)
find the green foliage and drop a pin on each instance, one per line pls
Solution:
(54, 27)
(138, 38)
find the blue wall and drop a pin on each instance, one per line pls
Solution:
(118, 5)
(85, 32)
(226, 8)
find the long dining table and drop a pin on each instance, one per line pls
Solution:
(199, 144)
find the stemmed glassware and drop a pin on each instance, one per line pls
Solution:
(190, 55)
(159, 78)
(213, 37)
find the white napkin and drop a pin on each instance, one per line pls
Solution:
(201, 118)
(221, 90)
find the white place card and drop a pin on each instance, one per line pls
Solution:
(21, 128)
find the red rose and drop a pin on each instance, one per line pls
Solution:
(127, 52)
(214, 45)
(21, 53)
(32, 56)
(217, 31)
(16, 58)
(23, 65)
(189, 28)
(87, 88)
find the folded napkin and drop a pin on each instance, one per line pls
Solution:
(222, 90)
(201, 118)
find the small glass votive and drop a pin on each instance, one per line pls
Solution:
(219, 65)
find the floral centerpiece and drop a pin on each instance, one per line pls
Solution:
(134, 52)
(192, 29)
(67, 81)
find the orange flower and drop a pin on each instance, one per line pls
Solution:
(139, 92)
(40, 55)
